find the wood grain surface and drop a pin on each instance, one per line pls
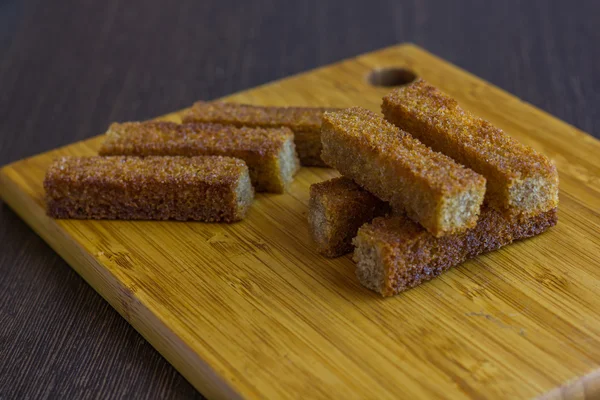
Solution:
(69, 68)
(251, 310)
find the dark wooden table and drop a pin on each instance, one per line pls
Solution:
(70, 67)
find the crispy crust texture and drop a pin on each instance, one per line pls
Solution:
(211, 189)
(395, 254)
(269, 152)
(430, 187)
(305, 122)
(520, 180)
(336, 209)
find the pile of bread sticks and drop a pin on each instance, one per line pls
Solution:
(425, 186)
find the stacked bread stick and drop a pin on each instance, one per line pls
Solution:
(205, 169)
(452, 187)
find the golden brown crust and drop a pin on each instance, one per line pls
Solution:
(209, 189)
(520, 180)
(268, 152)
(305, 122)
(430, 187)
(336, 209)
(404, 255)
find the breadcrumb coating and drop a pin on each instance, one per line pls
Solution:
(208, 189)
(520, 180)
(431, 188)
(336, 209)
(305, 122)
(269, 153)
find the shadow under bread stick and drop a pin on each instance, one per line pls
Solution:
(269, 153)
(395, 254)
(519, 179)
(431, 188)
(211, 189)
(305, 122)
(336, 209)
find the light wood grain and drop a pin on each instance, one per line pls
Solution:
(251, 310)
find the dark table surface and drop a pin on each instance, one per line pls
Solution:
(70, 67)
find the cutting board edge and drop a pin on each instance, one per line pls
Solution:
(582, 387)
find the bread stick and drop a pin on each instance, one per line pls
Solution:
(208, 189)
(430, 187)
(395, 254)
(336, 209)
(269, 153)
(305, 122)
(519, 179)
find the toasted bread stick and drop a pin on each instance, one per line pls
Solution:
(395, 254)
(336, 209)
(208, 189)
(519, 179)
(269, 153)
(430, 187)
(305, 122)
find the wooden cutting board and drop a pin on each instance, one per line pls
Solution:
(250, 310)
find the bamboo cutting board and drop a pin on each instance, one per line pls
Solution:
(250, 310)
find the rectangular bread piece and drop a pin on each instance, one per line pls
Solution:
(305, 122)
(269, 153)
(395, 254)
(431, 188)
(519, 179)
(336, 209)
(211, 189)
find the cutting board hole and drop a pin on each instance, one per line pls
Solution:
(389, 77)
